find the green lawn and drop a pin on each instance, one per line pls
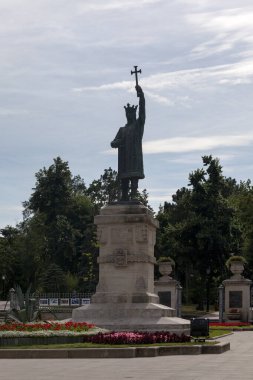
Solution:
(216, 332)
(92, 345)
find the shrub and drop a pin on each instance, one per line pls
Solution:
(136, 337)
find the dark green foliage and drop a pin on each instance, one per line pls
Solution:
(242, 201)
(53, 279)
(106, 190)
(63, 213)
(198, 228)
(55, 246)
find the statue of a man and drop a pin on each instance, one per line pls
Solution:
(129, 143)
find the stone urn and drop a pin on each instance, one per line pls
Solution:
(165, 268)
(236, 266)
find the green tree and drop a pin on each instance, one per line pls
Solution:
(106, 190)
(58, 229)
(198, 227)
(60, 209)
(242, 200)
(53, 279)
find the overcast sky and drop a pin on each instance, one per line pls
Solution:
(65, 77)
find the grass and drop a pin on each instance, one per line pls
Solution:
(92, 345)
(216, 332)
(235, 328)
(193, 312)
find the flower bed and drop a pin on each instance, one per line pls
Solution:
(54, 326)
(229, 324)
(136, 338)
(15, 334)
(45, 329)
(71, 332)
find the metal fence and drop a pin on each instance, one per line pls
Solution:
(56, 300)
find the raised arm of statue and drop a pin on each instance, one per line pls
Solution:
(142, 112)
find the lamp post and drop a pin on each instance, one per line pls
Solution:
(208, 271)
(3, 279)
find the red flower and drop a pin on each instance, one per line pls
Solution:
(136, 337)
(55, 326)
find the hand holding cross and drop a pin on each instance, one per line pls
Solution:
(135, 71)
(136, 74)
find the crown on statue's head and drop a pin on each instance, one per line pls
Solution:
(130, 110)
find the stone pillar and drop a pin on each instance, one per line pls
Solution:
(237, 295)
(125, 297)
(126, 235)
(167, 293)
(167, 288)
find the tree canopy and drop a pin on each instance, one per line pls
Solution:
(207, 219)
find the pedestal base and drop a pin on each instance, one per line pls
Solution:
(124, 298)
(130, 317)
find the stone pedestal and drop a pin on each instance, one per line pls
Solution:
(237, 298)
(125, 298)
(169, 293)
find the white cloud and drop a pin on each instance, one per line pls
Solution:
(230, 27)
(115, 5)
(157, 196)
(12, 112)
(160, 99)
(125, 85)
(160, 198)
(188, 144)
(227, 20)
(235, 73)
(200, 76)
(195, 159)
(191, 144)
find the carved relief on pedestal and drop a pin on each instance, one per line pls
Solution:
(126, 258)
(121, 234)
(120, 257)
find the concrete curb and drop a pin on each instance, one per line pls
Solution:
(100, 353)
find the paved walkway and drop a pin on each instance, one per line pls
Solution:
(234, 364)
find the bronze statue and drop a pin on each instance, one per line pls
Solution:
(129, 143)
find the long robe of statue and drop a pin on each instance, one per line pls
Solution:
(129, 143)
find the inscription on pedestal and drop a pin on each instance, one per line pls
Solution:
(165, 298)
(121, 235)
(235, 299)
(141, 234)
